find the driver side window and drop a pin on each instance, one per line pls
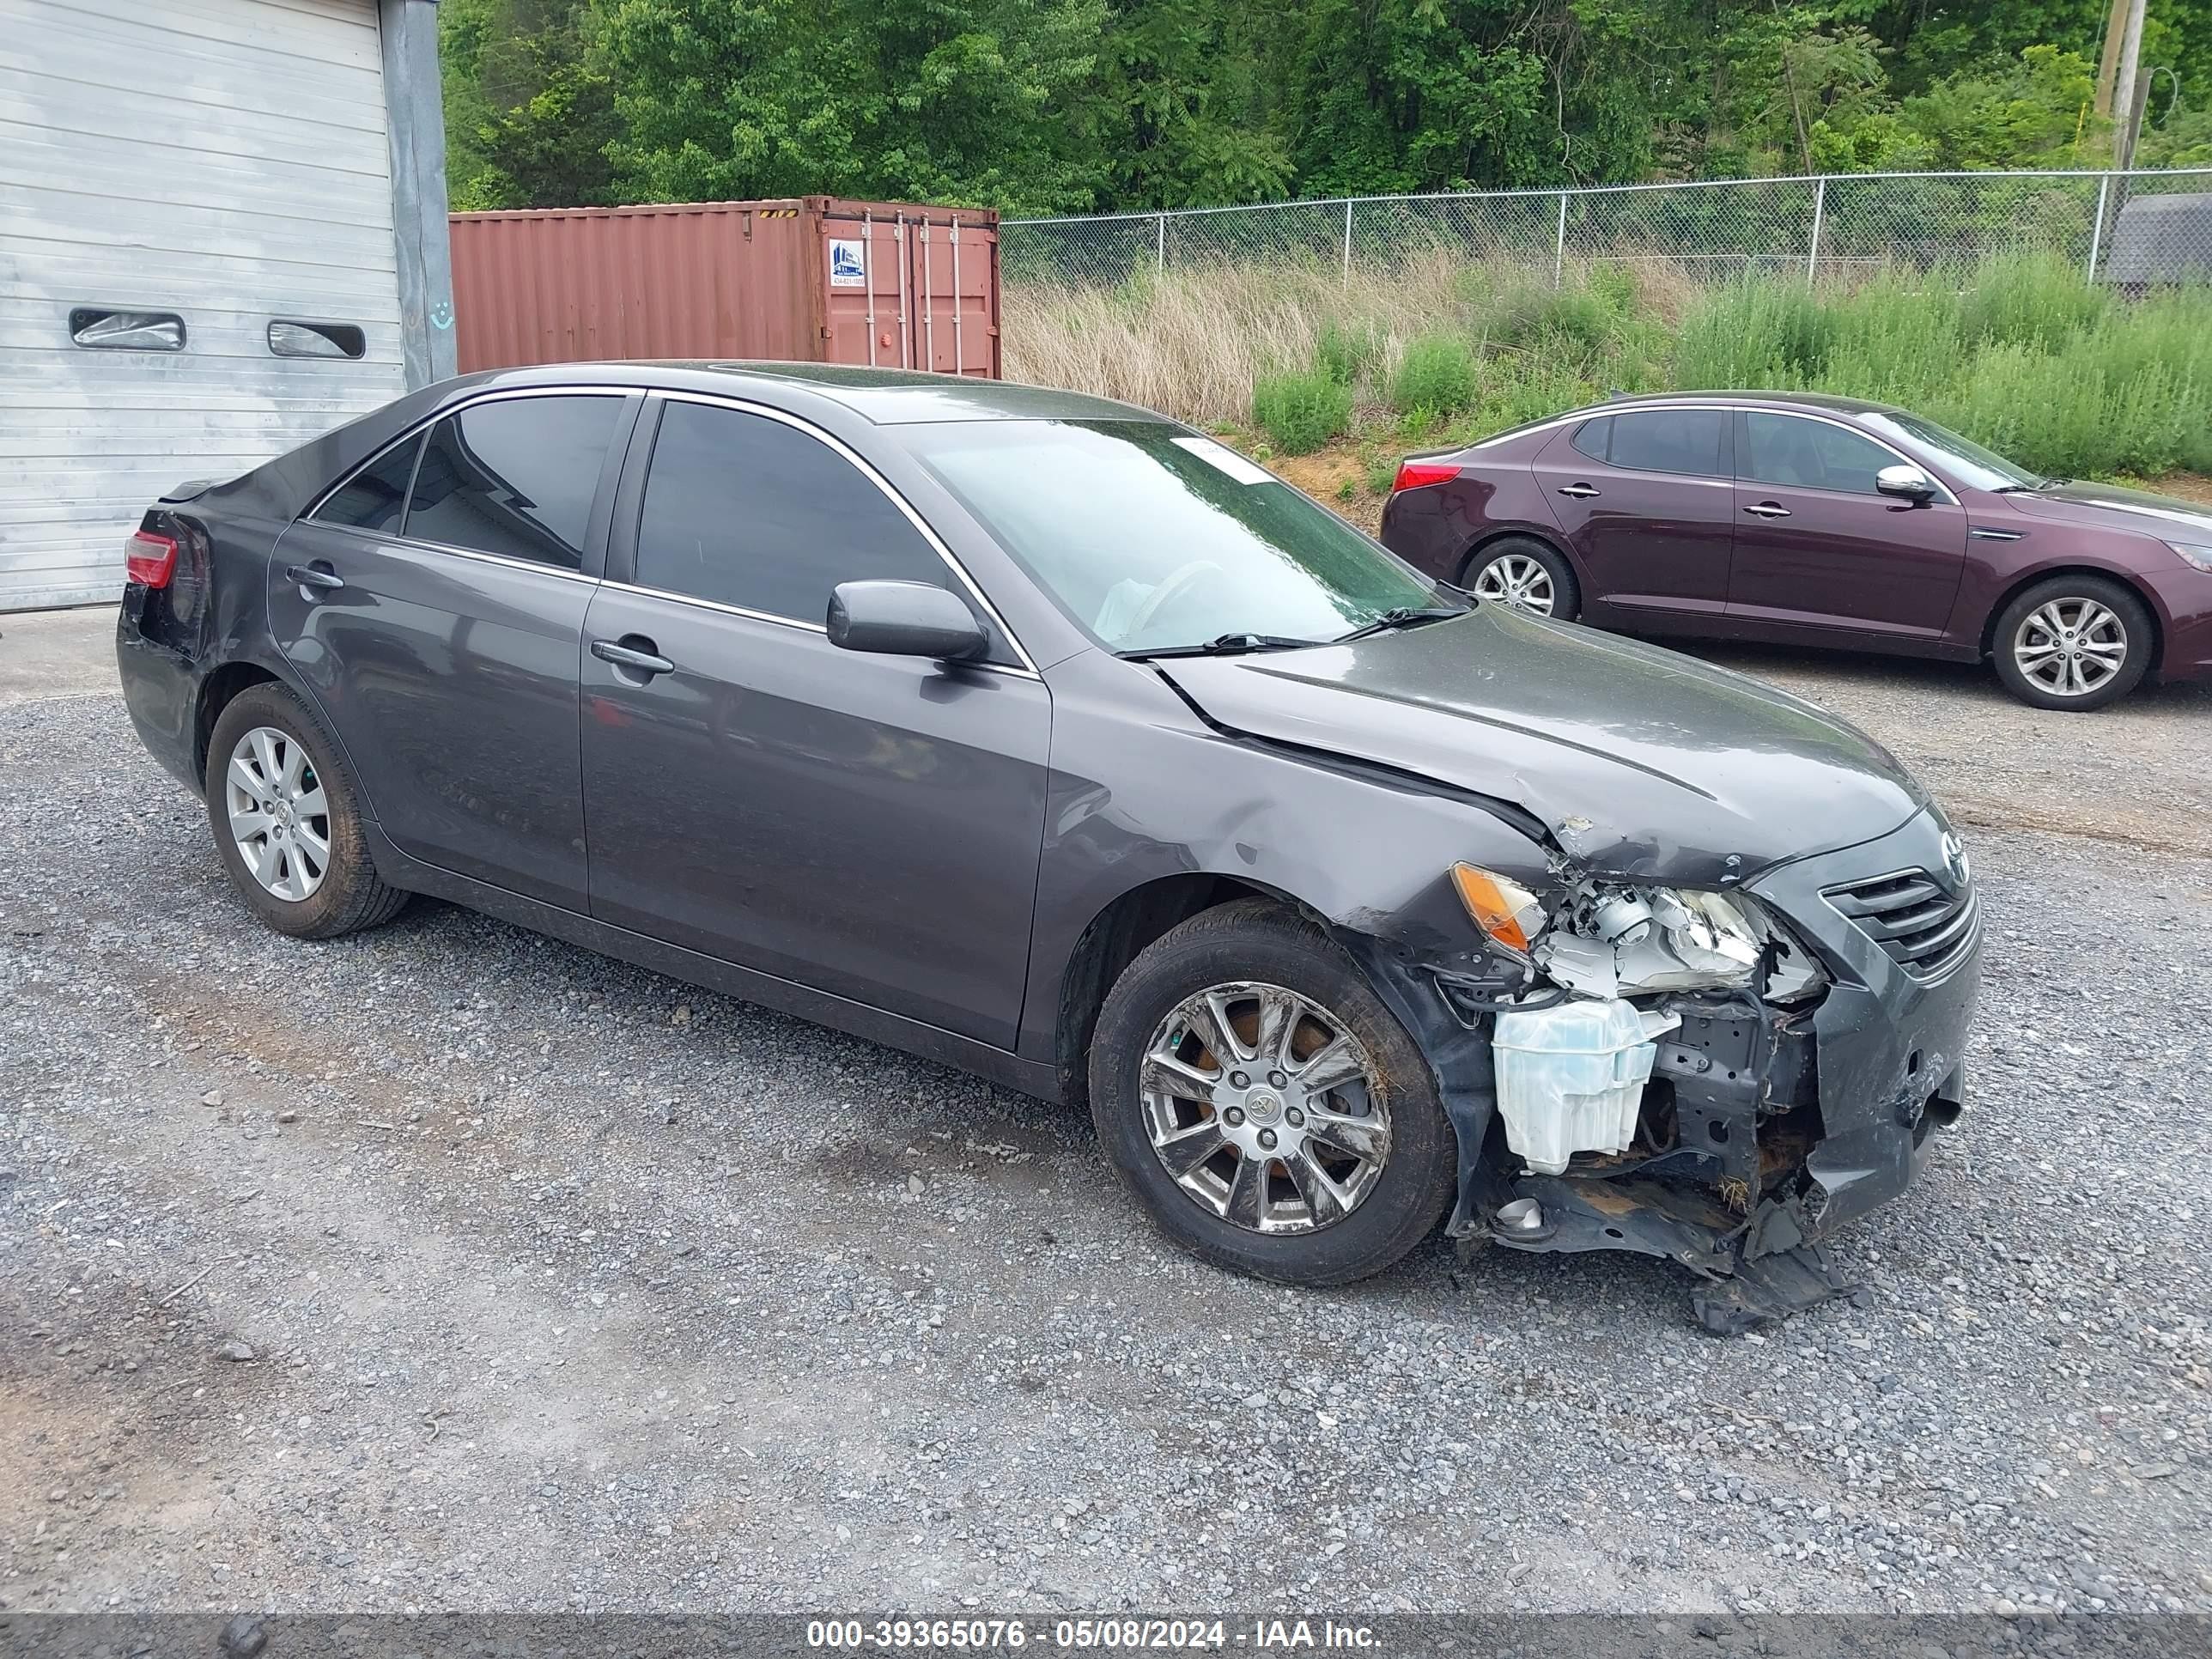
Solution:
(1788, 449)
(750, 512)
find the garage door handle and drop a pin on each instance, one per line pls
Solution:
(317, 575)
(1579, 491)
(1769, 510)
(633, 653)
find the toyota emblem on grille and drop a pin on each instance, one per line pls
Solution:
(1954, 860)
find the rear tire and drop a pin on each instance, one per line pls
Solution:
(287, 820)
(1526, 573)
(1356, 1171)
(2073, 643)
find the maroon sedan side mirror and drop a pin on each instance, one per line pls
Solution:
(1907, 484)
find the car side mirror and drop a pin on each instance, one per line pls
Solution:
(1907, 484)
(904, 619)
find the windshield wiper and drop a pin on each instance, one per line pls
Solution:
(1406, 616)
(1223, 644)
(2030, 489)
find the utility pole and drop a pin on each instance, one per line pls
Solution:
(2123, 110)
(2108, 66)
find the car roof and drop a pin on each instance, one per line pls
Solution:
(886, 396)
(1809, 402)
(1819, 401)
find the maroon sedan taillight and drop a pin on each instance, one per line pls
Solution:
(1418, 475)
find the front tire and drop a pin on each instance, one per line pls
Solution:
(2073, 642)
(1263, 1103)
(1523, 572)
(287, 820)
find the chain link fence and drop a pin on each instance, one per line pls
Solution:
(2136, 228)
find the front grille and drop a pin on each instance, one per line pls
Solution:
(1924, 926)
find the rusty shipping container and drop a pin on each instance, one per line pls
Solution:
(812, 279)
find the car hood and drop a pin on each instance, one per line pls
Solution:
(2119, 508)
(1640, 762)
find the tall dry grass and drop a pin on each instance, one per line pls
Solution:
(1194, 343)
(2016, 352)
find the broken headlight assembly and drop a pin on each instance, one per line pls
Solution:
(1600, 937)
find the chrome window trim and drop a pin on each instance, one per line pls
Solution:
(416, 544)
(532, 566)
(414, 433)
(1028, 668)
(795, 623)
(1747, 407)
(716, 604)
(1579, 415)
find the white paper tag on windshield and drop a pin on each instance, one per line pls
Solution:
(1225, 460)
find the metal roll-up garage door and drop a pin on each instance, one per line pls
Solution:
(180, 175)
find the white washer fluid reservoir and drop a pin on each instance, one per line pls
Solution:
(1570, 1077)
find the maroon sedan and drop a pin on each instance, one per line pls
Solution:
(1802, 519)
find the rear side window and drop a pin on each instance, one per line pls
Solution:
(374, 498)
(515, 476)
(1786, 449)
(1670, 440)
(749, 512)
(1591, 437)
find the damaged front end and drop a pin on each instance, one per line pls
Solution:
(1718, 1077)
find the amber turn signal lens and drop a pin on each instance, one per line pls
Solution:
(1504, 910)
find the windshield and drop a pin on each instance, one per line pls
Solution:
(1967, 461)
(1154, 538)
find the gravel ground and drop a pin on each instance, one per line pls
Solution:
(447, 1267)
(2136, 774)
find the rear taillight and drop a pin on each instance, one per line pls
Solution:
(1419, 475)
(149, 560)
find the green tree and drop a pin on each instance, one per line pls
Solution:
(1430, 95)
(1074, 106)
(1184, 99)
(2035, 111)
(988, 101)
(529, 117)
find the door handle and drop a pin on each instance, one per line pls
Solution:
(633, 652)
(316, 575)
(1579, 491)
(1769, 510)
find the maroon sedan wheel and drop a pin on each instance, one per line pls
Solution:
(2073, 642)
(1522, 572)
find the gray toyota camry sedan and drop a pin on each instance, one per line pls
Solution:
(1049, 738)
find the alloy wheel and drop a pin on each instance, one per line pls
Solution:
(279, 818)
(1516, 580)
(1264, 1109)
(2070, 647)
